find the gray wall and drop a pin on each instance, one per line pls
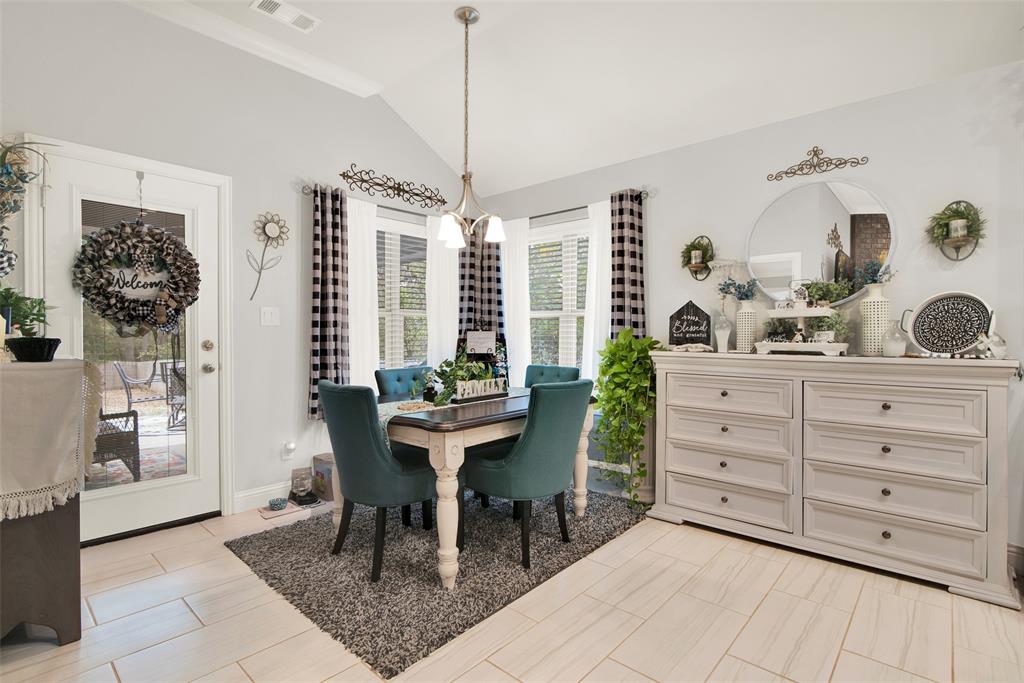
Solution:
(929, 146)
(111, 76)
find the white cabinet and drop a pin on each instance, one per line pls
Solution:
(898, 464)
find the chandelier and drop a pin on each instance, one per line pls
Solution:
(457, 224)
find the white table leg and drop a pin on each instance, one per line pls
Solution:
(447, 453)
(338, 500)
(579, 476)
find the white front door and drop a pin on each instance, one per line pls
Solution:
(157, 456)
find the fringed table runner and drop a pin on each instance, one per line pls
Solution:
(48, 413)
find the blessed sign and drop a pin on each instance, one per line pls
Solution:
(689, 325)
(134, 284)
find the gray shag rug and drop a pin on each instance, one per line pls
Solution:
(406, 615)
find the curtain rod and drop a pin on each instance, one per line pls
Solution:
(645, 192)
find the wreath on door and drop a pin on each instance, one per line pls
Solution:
(136, 276)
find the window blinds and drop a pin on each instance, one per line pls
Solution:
(402, 298)
(558, 295)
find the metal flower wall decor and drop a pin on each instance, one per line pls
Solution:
(272, 230)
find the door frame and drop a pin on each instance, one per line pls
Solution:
(33, 272)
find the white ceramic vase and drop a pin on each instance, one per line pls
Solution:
(746, 327)
(874, 319)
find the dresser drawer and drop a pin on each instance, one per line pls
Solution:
(771, 397)
(933, 500)
(933, 455)
(728, 500)
(935, 546)
(768, 472)
(736, 433)
(946, 411)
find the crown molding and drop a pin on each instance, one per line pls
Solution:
(214, 26)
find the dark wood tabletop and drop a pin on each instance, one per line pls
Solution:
(455, 418)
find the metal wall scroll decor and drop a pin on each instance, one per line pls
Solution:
(816, 163)
(407, 190)
(272, 230)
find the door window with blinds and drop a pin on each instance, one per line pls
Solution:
(402, 293)
(558, 292)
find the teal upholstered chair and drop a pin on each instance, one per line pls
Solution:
(399, 380)
(540, 463)
(545, 374)
(370, 473)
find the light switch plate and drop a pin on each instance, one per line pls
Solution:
(270, 316)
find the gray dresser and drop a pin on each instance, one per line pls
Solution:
(899, 464)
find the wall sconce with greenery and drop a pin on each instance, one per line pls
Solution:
(958, 226)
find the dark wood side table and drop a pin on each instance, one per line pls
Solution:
(40, 575)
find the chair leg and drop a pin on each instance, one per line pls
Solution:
(560, 508)
(485, 500)
(516, 509)
(346, 519)
(460, 536)
(428, 514)
(406, 515)
(525, 508)
(378, 544)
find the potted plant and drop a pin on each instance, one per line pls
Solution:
(452, 371)
(832, 328)
(27, 315)
(746, 317)
(780, 330)
(819, 290)
(625, 399)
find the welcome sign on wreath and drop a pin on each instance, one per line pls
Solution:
(137, 276)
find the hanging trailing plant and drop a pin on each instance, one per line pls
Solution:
(625, 397)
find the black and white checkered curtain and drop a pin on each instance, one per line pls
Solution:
(329, 347)
(628, 309)
(480, 297)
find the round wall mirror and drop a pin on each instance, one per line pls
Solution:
(820, 232)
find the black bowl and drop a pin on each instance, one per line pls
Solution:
(33, 349)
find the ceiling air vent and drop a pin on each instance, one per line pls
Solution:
(286, 14)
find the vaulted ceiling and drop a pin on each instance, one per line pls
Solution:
(557, 88)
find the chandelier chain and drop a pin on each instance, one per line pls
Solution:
(465, 103)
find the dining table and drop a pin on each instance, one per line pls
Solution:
(446, 433)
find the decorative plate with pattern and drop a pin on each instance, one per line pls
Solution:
(950, 323)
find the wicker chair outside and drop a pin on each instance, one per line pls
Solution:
(130, 383)
(173, 375)
(117, 438)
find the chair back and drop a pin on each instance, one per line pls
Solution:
(367, 470)
(541, 462)
(545, 374)
(399, 380)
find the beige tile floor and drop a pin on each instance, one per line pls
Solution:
(661, 602)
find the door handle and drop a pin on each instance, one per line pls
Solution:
(207, 345)
(209, 368)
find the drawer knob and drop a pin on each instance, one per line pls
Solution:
(886, 535)
(886, 492)
(724, 393)
(725, 499)
(887, 449)
(723, 464)
(886, 406)
(724, 428)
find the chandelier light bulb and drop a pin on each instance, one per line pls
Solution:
(456, 241)
(495, 230)
(449, 228)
